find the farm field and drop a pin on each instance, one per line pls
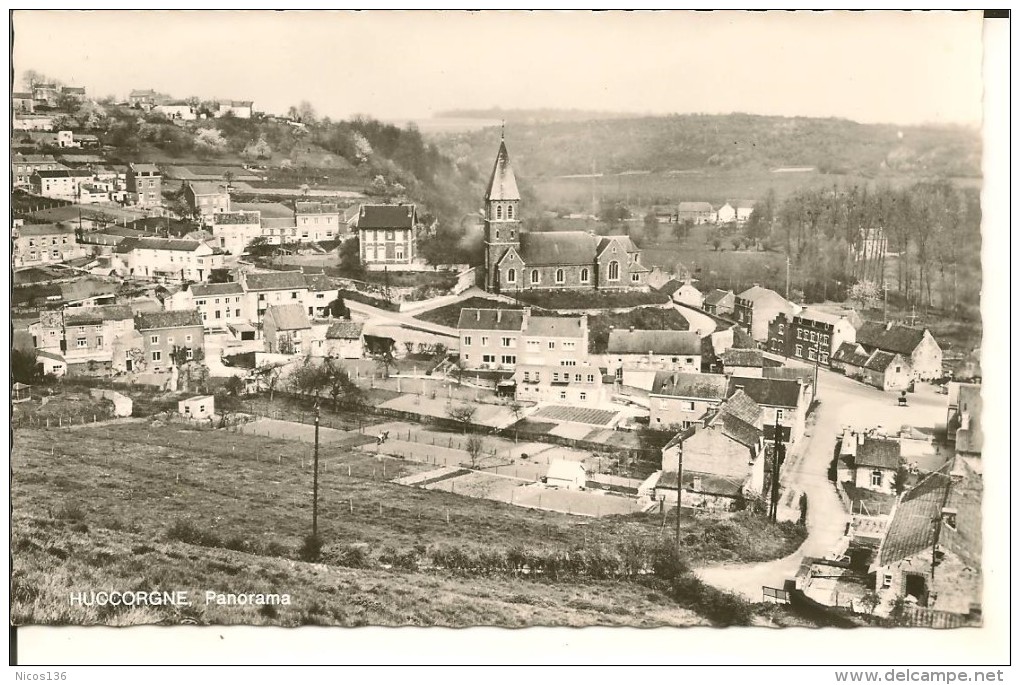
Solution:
(595, 417)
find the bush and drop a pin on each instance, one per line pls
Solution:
(720, 607)
(351, 556)
(311, 548)
(667, 563)
(70, 511)
(185, 531)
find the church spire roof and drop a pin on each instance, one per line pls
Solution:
(502, 183)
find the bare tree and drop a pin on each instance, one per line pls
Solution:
(269, 376)
(461, 413)
(475, 447)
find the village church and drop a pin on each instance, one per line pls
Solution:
(516, 260)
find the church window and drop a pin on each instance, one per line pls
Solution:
(499, 211)
(511, 276)
(510, 212)
(534, 275)
(614, 270)
(584, 275)
(559, 275)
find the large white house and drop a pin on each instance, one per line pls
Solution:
(166, 259)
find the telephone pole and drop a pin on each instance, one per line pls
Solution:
(788, 277)
(777, 462)
(315, 478)
(679, 491)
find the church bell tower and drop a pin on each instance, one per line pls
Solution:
(502, 221)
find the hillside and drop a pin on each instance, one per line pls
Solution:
(734, 142)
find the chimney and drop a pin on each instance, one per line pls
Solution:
(738, 388)
(499, 315)
(583, 323)
(860, 438)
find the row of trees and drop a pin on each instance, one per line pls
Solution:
(836, 237)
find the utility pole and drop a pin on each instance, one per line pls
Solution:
(315, 478)
(885, 301)
(788, 278)
(818, 352)
(679, 491)
(777, 462)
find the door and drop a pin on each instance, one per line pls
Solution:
(128, 364)
(916, 586)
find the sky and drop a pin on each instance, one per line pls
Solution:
(893, 67)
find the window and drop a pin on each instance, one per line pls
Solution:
(505, 342)
(293, 296)
(876, 477)
(187, 338)
(897, 369)
(510, 212)
(499, 211)
(216, 301)
(582, 396)
(189, 353)
(538, 376)
(237, 312)
(534, 275)
(154, 339)
(887, 580)
(614, 270)
(811, 353)
(533, 344)
(569, 344)
(552, 344)
(577, 378)
(824, 358)
(585, 275)
(779, 414)
(467, 339)
(635, 278)
(262, 297)
(156, 356)
(82, 342)
(563, 395)
(781, 329)
(511, 276)
(489, 358)
(800, 351)
(814, 336)
(591, 376)
(689, 360)
(526, 374)
(508, 359)
(568, 362)
(485, 340)
(556, 377)
(559, 276)
(687, 406)
(99, 341)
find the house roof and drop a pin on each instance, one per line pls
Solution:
(875, 452)
(85, 316)
(386, 216)
(174, 244)
(147, 168)
(880, 360)
(207, 187)
(73, 90)
(502, 182)
(812, 314)
(789, 373)
(561, 247)
(556, 327)
(177, 318)
(307, 207)
(735, 428)
(288, 317)
(213, 289)
(227, 218)
(670, 286)
(623, 341)
(319, 282)
(892, 337)
(491, 319)
(850, 353)
(63, 173)
(275, 280)
(44, 229)
(912, 529)
(344, 330)
(758, 295)
(278, 222)
(711, 484)
(742, 407)
(563, 469)
(695, 385)
(771, 392)
(715, 296)
(735, 356)
(694, 207)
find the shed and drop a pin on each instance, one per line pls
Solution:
(197, 407)
(566, 474)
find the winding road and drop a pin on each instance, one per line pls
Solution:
(842, 402)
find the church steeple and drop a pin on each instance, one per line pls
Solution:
(502, 218)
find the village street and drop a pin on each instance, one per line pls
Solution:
(842, 403)
(700, 323)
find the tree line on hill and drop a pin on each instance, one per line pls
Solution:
(836, 237)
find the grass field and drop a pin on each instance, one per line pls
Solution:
(122, 486)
